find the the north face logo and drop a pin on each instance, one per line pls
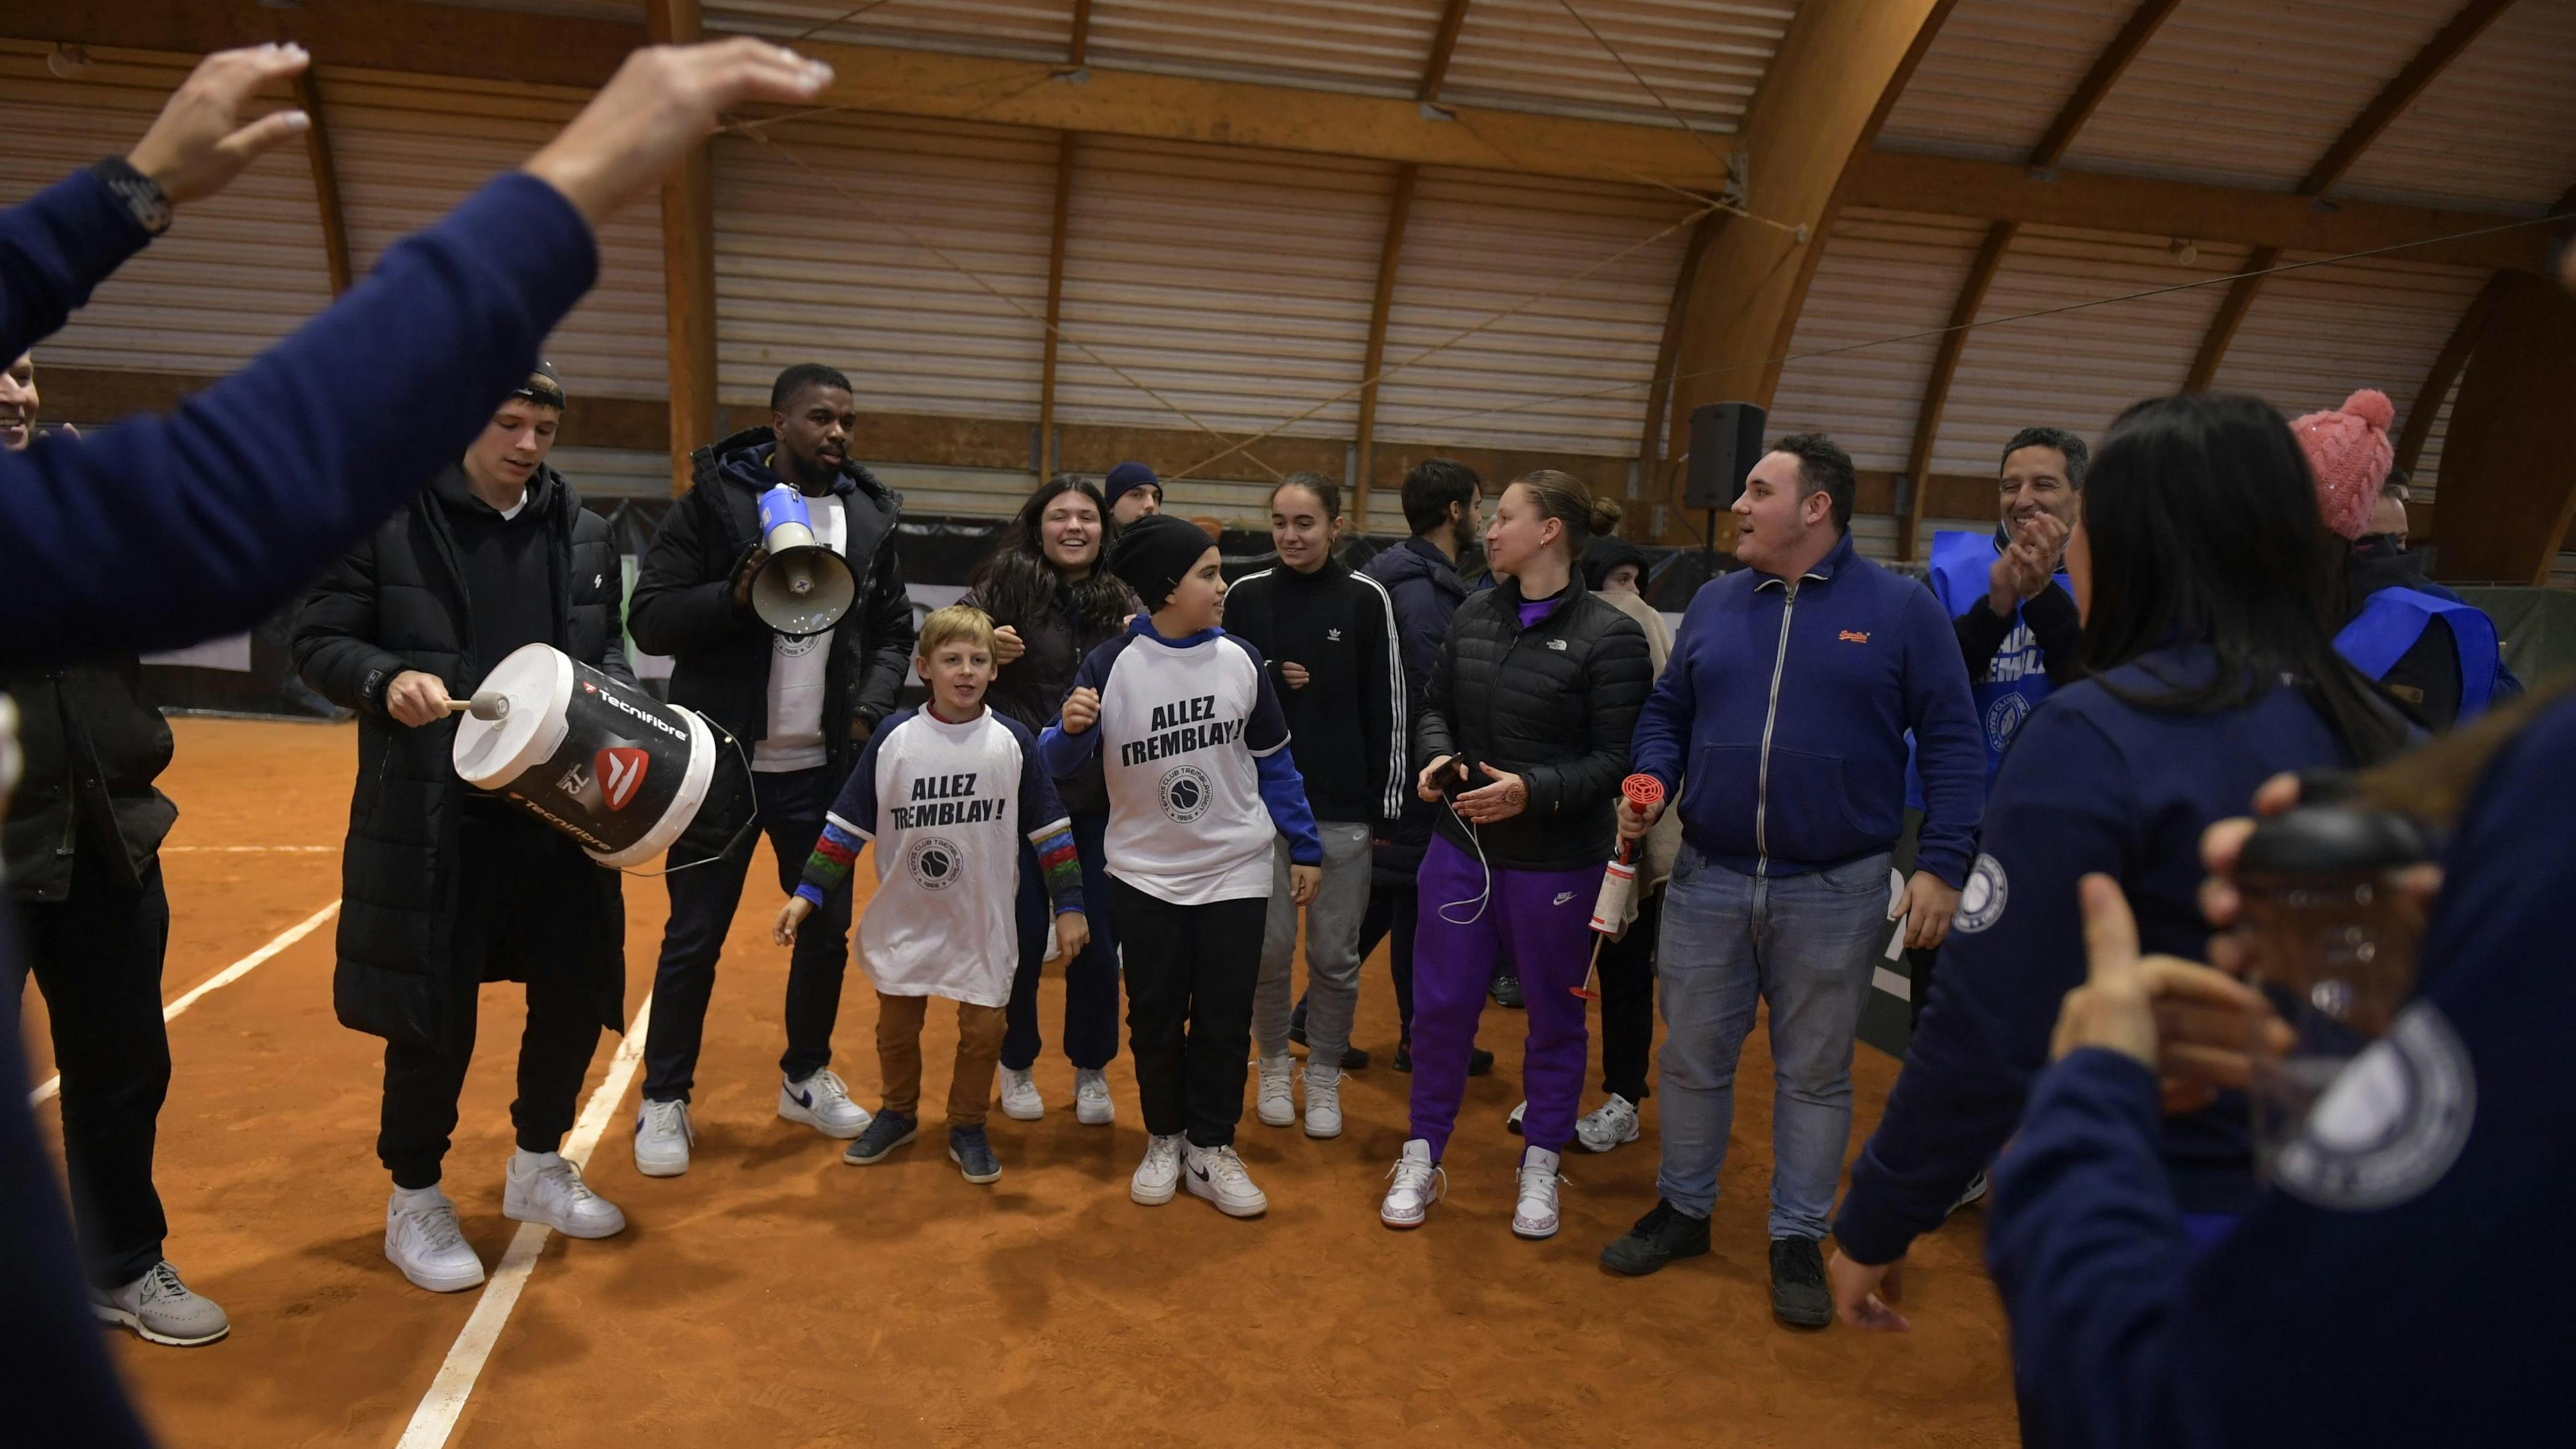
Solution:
(621, 772)
(1335, 635)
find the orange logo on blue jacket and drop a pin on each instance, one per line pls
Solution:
(1854, 636)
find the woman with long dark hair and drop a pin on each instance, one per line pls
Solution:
(2207, 586)
(1523, 740)
(1046, 589)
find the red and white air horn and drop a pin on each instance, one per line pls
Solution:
(1619, 882)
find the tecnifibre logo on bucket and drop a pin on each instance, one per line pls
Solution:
(620, 769)
(631, 712)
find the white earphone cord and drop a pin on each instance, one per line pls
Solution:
(1483, 897)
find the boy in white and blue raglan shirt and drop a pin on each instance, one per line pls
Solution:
(1195, 750)
(947, 792)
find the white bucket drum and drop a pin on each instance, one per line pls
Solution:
(601, 761)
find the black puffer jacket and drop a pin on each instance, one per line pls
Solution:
(720, 655)
(94, 742)
(1031, 688)
(1555, 704)
(398, 602)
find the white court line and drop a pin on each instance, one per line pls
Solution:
(435, 1419)
(220, 979)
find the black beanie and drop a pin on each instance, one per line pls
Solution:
(1604, 554)
(1154, 553)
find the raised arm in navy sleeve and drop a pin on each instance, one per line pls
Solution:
(1949, 743)
(164, 530)
(2063, 806)
(55, 248)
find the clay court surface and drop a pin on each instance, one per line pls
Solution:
(774, 1296)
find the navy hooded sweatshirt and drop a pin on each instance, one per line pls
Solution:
(1782, 721)
(2092, 783)
(2407, 1282)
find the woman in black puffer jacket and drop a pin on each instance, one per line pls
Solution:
(1538, 686)
(1054, 604)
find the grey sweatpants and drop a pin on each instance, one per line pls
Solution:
(1332, 950)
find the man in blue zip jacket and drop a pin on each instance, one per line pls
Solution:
(1781, 724)
(166, 530)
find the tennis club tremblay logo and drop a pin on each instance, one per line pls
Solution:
(935, 862)
(621, 773)
(1185, 794)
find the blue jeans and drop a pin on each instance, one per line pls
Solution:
(1804, 943)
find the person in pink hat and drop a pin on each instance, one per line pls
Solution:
(2426, 645)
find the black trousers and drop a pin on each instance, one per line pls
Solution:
(1628, 1002)
(1918, 965)
(1090, 979)
(96, 954)
(1390, 917)
(503, 883)
(1190, 976)
(703, 897)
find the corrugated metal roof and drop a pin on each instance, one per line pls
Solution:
(1236, 283)
(409, 147)
(1026, 29)
(2497, 130)
(1998, 73)
(1479, 244)
(2253, 91)
(614, 472)
(239, 270)
(2076, 370)
(819, 268)
(1373, 46)
(1703, 57)
(2315, 336)
(1885, 274)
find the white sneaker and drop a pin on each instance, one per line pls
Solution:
(1608, 1125)
(544, 1187)
(663, 1138)
(1512, 1123)
(1159, 1173)
(1091, 1104)
(1323, 1101)
(162, 1309)
(1216, 1174)
(1413, 1185)
(1277, 1104)
(422, 1240)
(1974, 1192)
(1020, 1099)
(822, 1102)
(1534, 1216)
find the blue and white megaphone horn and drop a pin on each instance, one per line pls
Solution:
(804, 588)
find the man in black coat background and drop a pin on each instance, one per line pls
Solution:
(801, 709)
(83, 845)
(443, 886)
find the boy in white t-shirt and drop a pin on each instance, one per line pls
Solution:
(1201, 786)
(946, 792)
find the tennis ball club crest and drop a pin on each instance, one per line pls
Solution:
(1186, 793)
(935, 862)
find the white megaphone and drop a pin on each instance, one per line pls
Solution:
(804, 588)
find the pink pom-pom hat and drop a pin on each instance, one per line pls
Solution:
(2349, 452)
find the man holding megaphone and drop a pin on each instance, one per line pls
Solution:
(773, 586)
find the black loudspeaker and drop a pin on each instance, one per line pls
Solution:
(1725, 443)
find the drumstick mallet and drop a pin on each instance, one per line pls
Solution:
(1618, 883)
(488, 705)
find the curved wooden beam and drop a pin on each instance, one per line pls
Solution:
(2445, 371)
(688, 271)
(1823, 101)
(326, 180)
(2107, 68)
(1390, 256)
(2391, 102)
(2507, 497)
(1064, 144)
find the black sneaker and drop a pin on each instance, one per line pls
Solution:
(1658, 1238)
(885, 1132)
(1480, 1062)
(1506, 991)
(1799, 1297)
(973, 1153)
(1404, 1057)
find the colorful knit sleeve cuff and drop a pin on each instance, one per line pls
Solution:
(828, 868)
(1059, 865)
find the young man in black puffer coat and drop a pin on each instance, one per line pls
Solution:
(802, 710)
(445, 887)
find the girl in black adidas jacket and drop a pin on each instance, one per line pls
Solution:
(1328, 637)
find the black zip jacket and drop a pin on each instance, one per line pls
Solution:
(1555, 704)
(1346, 723)
(720, 655)
(93, 741)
